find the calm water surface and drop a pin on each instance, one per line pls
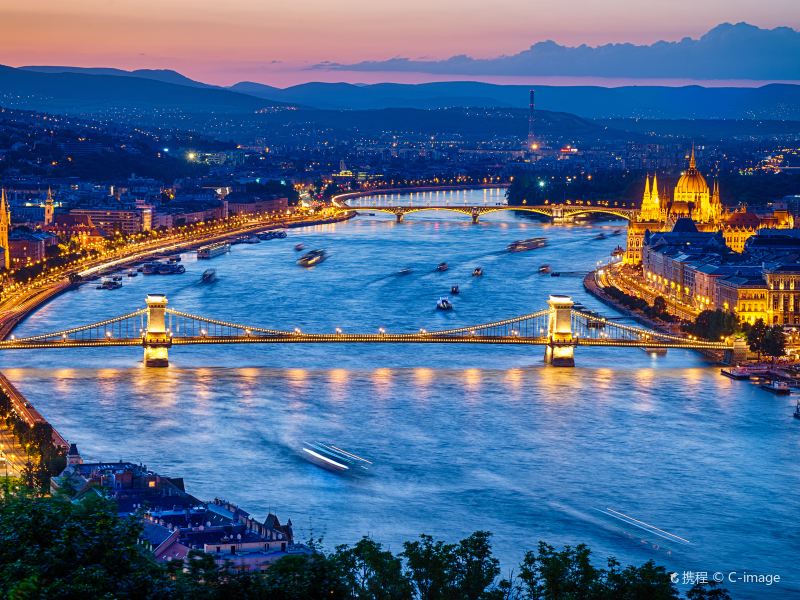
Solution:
(462, 437)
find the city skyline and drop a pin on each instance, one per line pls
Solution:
(284, 43)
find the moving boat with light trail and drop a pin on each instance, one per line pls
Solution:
(333, 458)
(529, 244)
(444, 304)
(309, 259)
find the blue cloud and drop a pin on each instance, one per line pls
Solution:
(727, 51)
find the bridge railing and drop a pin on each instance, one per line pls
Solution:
(129, 325)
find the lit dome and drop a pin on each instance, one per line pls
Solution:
(691, 182)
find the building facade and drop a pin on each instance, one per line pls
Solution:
(693, 199)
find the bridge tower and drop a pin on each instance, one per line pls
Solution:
(560, 349)
(738, 353)
(560, 215)
(156, 339)
(476, 213)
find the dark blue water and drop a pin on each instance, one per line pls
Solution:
(462, 437)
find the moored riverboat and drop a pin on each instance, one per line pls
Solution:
(273, 234)
(170, 269)
(212, 250)
(738, 373)
(108, 283)
(777, 387)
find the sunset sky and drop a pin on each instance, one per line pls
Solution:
(275, 41)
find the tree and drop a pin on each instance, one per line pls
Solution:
(53, 548)
(714, 324)
(774, 342)
(371, 572)
(755, 335)
(429, 567)
(476, 568)
(28, 476)
(648, 582)
(659, 306)
(301, 576)
(764, 339)
(708, 591)
(551, 574)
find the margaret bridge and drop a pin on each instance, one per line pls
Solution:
(559, 328)
(557, 212)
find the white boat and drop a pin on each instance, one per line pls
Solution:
(444, 304)
(333, 458)
(212, 250)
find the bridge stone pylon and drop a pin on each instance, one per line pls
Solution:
(560, 348)
(156, 339)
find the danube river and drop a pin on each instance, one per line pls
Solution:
(462, 437)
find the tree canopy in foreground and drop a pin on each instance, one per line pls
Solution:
(53, 548)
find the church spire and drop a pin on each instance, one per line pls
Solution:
(655, 199)
(5, 227)
(49, 208)
(646, 195)
(692, 162)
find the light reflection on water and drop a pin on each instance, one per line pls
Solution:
(463, 437)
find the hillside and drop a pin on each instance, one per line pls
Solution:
(83, 93)
(776, 101)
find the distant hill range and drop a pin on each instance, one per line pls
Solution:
(775, 101)
(95, 90)
(76, 91)
(165, 75)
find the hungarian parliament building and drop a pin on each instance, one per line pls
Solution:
(694, 251)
